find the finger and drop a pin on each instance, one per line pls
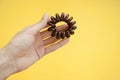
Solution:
(47, 33)
(46, 24)
(50, 41)
(39, 25)
(26, 28)
(56, 46)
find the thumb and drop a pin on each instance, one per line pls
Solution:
(39, 25)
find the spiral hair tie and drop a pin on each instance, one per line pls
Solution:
(58, 18)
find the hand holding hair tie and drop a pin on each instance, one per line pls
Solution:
(28, 46)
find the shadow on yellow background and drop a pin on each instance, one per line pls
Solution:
(93, 52)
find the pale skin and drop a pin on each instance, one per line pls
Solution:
(27, 47)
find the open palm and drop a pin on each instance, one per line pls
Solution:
(29, 45)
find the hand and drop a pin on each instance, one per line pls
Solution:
(29, 45)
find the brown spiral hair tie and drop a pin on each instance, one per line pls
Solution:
(58, 18)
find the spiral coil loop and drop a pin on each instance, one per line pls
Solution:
(58, 18)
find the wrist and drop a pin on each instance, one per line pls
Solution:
(7, 64)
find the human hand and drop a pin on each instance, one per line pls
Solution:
(29, 45)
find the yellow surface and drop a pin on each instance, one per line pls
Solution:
(93, 52)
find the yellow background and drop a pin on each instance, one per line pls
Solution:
(93, 52)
